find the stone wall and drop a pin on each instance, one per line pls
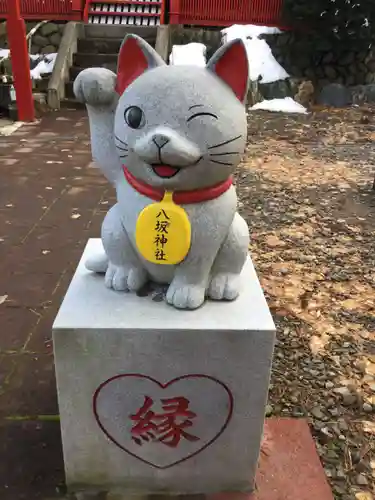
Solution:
(310, 57)
(45, 41)
(314, 57)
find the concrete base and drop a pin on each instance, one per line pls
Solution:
(63, 63)
(289, 469)
(157, 400)
(163, 41)
(119, 31)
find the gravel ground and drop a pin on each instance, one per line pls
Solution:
(305, 188)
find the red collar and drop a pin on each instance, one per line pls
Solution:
(179, 197)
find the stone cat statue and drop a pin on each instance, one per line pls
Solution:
(182, 129)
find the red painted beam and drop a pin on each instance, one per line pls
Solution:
(77, 5)
(20, 62)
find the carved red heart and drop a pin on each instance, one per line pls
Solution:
(163, 424)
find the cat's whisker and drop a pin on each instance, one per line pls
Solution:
(221, 163)
(120, 140)
(226, 142)
(223, 154)
(122, 149)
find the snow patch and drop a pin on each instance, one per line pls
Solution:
(4, 53)
(45, 66)
(286, 105)
(8, 130)
(262, 63)
(245, 31)
(191, 54)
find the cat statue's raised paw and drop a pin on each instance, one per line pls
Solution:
(159, 129)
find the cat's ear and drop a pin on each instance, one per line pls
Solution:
(230, 64)
(136, 56)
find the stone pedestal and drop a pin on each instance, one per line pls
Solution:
(157, 400)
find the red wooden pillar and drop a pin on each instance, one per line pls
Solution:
(20, 62)
(86, 11)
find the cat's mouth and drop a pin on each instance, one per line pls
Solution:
(164, 171)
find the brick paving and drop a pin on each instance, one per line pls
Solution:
(52, 199)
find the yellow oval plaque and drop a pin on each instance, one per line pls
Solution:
(163, 232)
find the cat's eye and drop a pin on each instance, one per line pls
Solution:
(201, 114)
(134, 117)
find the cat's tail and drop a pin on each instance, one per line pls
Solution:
(97, 263)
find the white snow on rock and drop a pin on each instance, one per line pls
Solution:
(262, 63)
(4, 53)
(245, 31)
(8, 130)
(286, 105)
(45, 66)
(191, 54)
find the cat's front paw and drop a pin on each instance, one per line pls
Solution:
(224, 286)
(95, 86)
(97, 263)
(125, 279)
(185, 296)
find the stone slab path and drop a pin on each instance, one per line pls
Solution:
(52, 199)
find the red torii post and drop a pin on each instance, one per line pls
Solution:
(20, 62)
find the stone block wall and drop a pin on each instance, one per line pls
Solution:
(316, 58)
(45, 41)
(304, 56)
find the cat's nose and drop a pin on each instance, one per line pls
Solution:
(160, 140)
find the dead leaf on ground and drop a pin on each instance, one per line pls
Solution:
(3, 298)
(317, 344)
(370, 369)
(369, 427)
(274, 241)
